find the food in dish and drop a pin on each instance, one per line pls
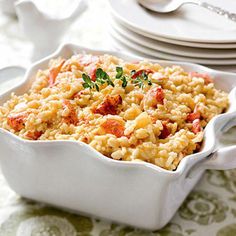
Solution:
(136, 111)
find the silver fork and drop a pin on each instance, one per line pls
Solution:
(166, 6)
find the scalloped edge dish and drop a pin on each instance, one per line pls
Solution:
(72, 175)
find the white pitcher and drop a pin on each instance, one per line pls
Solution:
(45, 31)
(7, 6)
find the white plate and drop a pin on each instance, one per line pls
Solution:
(161, 55)
(118, 46)
(228, 68)
(179, 42)
(171, 48)
(121, 47)
(190, 23)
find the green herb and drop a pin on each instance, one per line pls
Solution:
(123, 78)
(119, 71)
(141, 79)
(138, 81)
(88, 83)
(124, 82)
(96, 86)
(102, 77)
(132, 72)
(144, 75)
(85, 85)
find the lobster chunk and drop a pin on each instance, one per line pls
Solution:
(71, 117)
(33, 135)
(109, 105)
(53, 73)
(193, 116)
(207, 78)
(17, 121)
(154, 97)
(92, 73)
(196, 126)
(112, 126)
(165, 132)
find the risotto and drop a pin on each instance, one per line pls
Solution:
(136, 111)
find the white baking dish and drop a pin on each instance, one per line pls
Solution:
(72, 175)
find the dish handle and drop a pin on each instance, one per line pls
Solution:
(223, 158)
(10, 73)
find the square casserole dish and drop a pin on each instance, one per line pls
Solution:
(74, 176)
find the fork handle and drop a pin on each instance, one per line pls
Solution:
(218, 10)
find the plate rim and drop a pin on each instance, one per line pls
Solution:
(136, 38)
(168, 56)
(162, 35)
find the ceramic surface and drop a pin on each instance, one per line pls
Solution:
(172, 48)
(167, 56)
(50, 30)
(177, 42)
(190, 23)
(121, 47)
(74, 176)
(7, 6)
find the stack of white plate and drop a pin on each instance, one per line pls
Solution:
(191, 34)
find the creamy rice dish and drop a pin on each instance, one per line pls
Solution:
(136, 111)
